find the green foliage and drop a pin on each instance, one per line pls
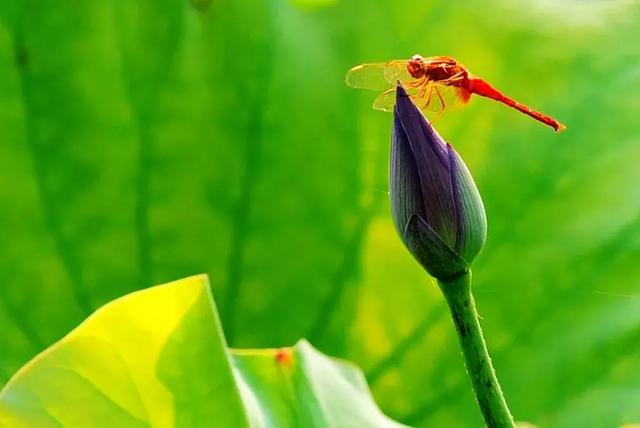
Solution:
(146, 141)
(157, 358)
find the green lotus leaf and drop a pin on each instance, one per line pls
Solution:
(157, 358)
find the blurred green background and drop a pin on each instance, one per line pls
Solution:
(144, 141)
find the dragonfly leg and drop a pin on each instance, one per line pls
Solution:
(442, 104)
(416, 83)
(428, 100)
(423, 91)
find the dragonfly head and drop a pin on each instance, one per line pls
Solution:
(415, 68)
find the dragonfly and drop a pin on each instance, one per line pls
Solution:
(434, 84)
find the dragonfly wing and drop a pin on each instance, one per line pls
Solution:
(367, 76)
(378, 76)
(396, 70)
(385, 101)
(431, 98)
(437, 98)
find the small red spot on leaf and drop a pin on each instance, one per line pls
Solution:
(284, 356)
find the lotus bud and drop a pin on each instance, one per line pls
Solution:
(435, 203)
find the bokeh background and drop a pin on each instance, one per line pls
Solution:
(143, 141)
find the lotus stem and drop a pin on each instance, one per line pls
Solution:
(486, 387)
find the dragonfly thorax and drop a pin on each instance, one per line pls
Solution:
(436, 68)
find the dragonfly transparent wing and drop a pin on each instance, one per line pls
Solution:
(431, 98)
(397, 70)
(377, 76)
(387, 99)
(436, 98)
(367, 76)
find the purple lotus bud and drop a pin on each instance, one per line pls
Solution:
(435, 204)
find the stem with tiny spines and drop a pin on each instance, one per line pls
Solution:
(494, 408)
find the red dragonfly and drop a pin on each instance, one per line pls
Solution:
(434, 83)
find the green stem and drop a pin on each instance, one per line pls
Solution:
(494, 408)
